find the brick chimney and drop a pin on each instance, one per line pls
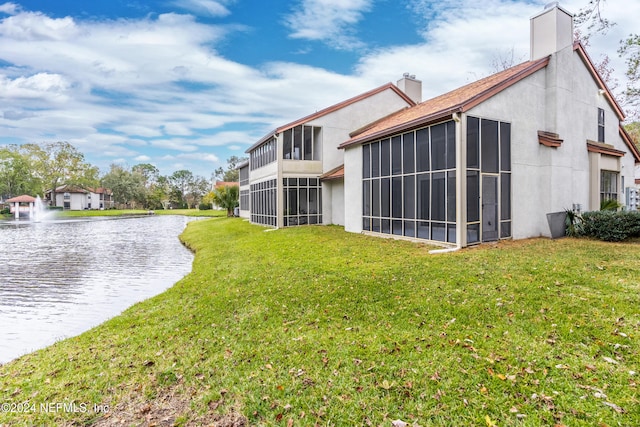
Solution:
(551, 31)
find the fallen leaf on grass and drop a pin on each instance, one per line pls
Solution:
(610, 360)
(385, 385)
(614, 407)
(399, 423)
(489, 421)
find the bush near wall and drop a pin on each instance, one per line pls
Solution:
(204, 206)
(611, 226)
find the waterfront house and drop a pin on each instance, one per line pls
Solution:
(484, 162)
(281, 184)
(491, 159)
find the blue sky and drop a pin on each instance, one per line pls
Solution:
(185, 84)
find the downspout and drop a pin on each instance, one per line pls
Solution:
(459, 190)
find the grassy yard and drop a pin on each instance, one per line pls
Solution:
(315, 326)
(124, 212)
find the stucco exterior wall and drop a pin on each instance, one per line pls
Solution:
(353, 189)
(333, 202)
(563, 98)
(337, 125)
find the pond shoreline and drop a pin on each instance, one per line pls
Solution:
(66, 275)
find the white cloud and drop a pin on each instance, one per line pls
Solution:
(17, 115)
(174, 144)
(43, 86)
(329, 21)
(207, 157)
(29, 26)
(138, 130)
(203, 7)
(9, 8)
(142, 158)
(179, 129)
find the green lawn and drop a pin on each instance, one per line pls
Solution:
(124, 212)
(315, 326)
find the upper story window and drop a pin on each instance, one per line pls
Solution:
(263, 154)
(600, 125)
(67, 196)
(302, 143)
(244, 175)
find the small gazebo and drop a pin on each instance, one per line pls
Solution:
(22, 203)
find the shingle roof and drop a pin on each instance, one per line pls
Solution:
(458, 100)
(21, 199)
(335, 173)
(468, 96)
(70, 189)
(331, 109)
(226, 184)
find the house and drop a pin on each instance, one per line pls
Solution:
(75, 198)
(489, 160)
(484, 162)
(282, 182)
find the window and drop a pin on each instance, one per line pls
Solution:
(302, 201)
(608, 186)
(302, 143)
(244, 200)
(600, 125)
(264, 203)
(67, 196)
(409, 184)
(244, 175)
(261, 156)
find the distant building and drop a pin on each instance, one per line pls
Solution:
(76, 198)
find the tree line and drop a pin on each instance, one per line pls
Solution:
(35, 169)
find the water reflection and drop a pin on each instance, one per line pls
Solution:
(60, 278)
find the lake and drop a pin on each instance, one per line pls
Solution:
(59, 278)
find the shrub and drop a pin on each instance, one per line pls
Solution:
(204, 206)
(5, 211)
(611, 226)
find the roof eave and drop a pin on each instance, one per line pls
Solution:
(334, 108)
(577, 46)
(461, 107)
(629, 141)
(424, 120)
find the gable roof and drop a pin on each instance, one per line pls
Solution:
(609, 96)
(577, 46)
(70, 189)
(468, 96)
(21, 199)
(629, 141)
(456, 101)
(332, 109)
